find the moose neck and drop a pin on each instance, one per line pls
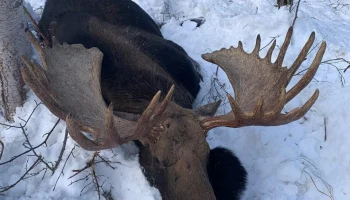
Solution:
(185, 179)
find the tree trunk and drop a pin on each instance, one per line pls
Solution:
(13, 44)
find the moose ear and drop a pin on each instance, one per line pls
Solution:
(208, 109)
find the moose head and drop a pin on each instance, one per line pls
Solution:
(173, 147)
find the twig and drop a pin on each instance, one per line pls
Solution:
(88, 165)
(325, 128)
(296, 14)
(2, 148)
(273, 38)
(339, 5)
(332, 63)
(61, 153)
(323, 39)
(86, 178)
(95, 181)
(313, 169)
(36, 173)
(106, 162)
(338, 60)
(216, 90)
(169, 12)
(342, 79)
(330, 196)
(81, 192)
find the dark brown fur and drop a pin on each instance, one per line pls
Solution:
(137, 62)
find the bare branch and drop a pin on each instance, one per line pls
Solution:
(6, 188)
(91, 165)
(333, 62)
(31, 148)
(296, 14)
(71, 153)
(88, 165)
(61, 152)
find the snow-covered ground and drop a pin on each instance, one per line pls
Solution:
(288, 162)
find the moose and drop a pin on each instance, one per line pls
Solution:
(109, 73)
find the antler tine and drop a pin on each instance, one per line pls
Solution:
(279, 106)
(166, 100)
(152, 116)
(284, 48)
(37, 47)
(35, 77)
(240, 45)
(153, 109)
(296, 113)
(235, 108)
(150, 108)
(270, 51)
(257, 45)
(300, 57)
(308, 75)
(46, 42)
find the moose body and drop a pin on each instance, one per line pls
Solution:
(104, 80)
(137, 63)
(137, 60)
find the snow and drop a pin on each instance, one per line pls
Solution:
(289, 162)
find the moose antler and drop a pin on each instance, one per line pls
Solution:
(260, 86)
(69, 85)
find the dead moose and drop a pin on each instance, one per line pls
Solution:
(103, 72)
